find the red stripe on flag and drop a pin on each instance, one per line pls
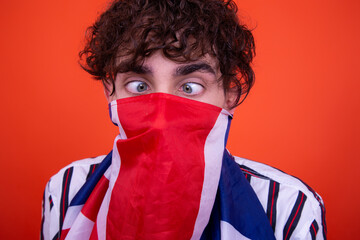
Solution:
(92, 205)
(94, 234)
(64, 232)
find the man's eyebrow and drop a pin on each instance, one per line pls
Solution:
(140, 69)
(193, 67)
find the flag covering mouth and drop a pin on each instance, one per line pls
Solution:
(170, 149)
(164, 176)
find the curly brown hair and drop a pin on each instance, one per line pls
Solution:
(184, 30)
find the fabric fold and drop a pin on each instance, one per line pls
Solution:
(168, 176)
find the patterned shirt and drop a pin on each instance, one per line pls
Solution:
(294, 210)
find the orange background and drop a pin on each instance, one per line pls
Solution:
(302, 115)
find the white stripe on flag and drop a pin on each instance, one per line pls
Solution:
(213, 154)
(71, 214)
(115, 164)
(111, 174)
(81, 229)
(228, 232)
(103, 211)
(115, 119)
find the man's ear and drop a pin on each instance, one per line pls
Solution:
(230, 100)
(108, 86)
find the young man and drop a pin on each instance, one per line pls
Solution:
(173, 72)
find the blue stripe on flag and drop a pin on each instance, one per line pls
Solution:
(237, 204)
(85, 191)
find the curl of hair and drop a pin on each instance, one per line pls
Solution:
(185, 30)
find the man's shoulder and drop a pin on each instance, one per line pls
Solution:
(290, 204)
(74, 174)
(61, 189)
(260, 172)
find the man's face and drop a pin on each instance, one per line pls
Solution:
(194, 80)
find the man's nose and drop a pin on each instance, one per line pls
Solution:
(164, 87)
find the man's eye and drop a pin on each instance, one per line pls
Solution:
(192, 88)
(136, 87)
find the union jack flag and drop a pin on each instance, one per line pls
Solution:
(226, 207)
